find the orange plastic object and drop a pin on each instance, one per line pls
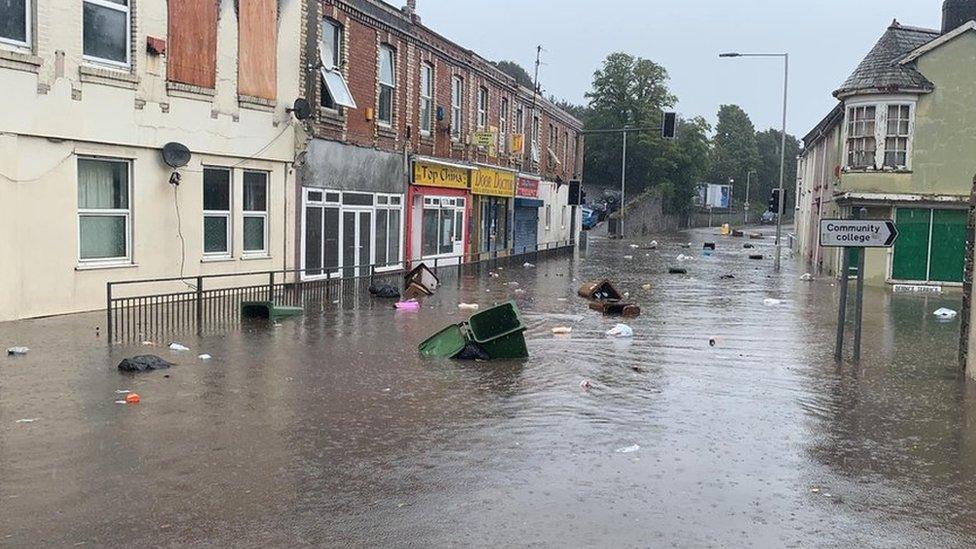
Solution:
(132, 398)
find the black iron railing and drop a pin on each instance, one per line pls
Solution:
(158, 307)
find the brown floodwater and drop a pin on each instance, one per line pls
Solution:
(330, 430)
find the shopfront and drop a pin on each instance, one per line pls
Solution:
(351, 211)
(493, 193)
(439, 210)
(526, 219)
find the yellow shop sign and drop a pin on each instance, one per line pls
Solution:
(491, 182)
(438, 175)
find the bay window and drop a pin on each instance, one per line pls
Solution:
(15, 22)
(861, 141)
(457, 95)
(255, 213)
(104, 214)
(105, 31)
(426, 98)
(896, 138)
(216, 212)
(387, 85)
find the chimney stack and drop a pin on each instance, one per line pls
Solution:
(956, 13)
(410, 9)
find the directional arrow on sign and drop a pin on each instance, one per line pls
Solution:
(857, 233)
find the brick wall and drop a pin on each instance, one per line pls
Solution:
(364, 33)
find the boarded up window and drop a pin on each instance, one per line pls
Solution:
(257, 48)
(192, 53)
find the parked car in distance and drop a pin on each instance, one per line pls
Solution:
(768, 218)
(590, 218)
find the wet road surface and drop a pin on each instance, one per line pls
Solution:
(331, 431)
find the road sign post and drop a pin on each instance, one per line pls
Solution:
(859, 234)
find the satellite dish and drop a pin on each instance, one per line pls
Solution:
(176, 155)
(302, 109)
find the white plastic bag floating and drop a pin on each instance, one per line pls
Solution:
(468, 306)
(945, 314)
(528, 265)
(178, 347)
(18, 351)
(807, 278)
(562, 330)
(654, 244)
(682, 258)
(770, 302)
(628, 449)
(621, 331)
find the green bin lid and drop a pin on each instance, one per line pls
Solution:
(445, 344)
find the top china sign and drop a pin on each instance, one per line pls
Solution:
(430, 174)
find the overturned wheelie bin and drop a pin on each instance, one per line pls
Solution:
(494, 334)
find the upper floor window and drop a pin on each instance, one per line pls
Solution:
(426, 97)
(387, 84)
(457, 95)
(861, 141)
(553, 139)
(15, 24)
(335, 92)
(565, 147)
(105, 31)
(519, 120)
(503, 124)
(896, 138)
(482, 107)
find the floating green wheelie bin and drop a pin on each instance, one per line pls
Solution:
(447, 343)
(499, 331)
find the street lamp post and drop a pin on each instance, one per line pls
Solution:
(782, 159)
(748, 183)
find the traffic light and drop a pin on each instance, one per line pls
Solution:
(774, 202)
(668, 125)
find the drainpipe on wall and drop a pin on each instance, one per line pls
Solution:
(967, 284)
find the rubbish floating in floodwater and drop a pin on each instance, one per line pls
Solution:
(807, 277)
(149, 344)
(677, 271)
(945, 314)
(586, 385)
(205, 356)
(519, 291)
(27, 420)
(122, 392)
(18, 351)
(562, 330)
(621, 331)
(143, 363)
(682, 258)
(646, 287)
(409, 305)
(468, 306)
(634, 246)
(132, 398)
(178, 347)
(729, 276)
(629, 257)
(770, 302)
(628, 449)
(712, 342)
(528, 265)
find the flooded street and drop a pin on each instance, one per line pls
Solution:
(330, 430)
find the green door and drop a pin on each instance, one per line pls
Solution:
(948, 245)
(912, 247)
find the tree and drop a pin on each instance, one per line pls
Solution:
(687, 157)
(627, 91)
(517, 72)
(769, 143)
(735, 151)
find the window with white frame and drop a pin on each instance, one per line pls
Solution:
(535, 139)
(503, 125)
(387, 84)
(389, 212)
(426, 98)
(457, 95)
(216, 212)
(861, 141)
(255, 213)
(105, 31)
(548, 217)
(482, 107)
(897, 135)
(553, 139)
(334, 89)
(104, 213)
(15, 22)
(442, 225)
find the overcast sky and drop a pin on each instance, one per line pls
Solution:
(825, 38)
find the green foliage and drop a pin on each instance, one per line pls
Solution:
(769, 143)
(517, 72)
(735, 151)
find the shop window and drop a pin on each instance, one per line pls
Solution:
(442, 227)
(105, 31)
(426, 98)
(15, 22)
(387, 84)
(104, 214)
(216, 212)
(334, 89)
(255, 213)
